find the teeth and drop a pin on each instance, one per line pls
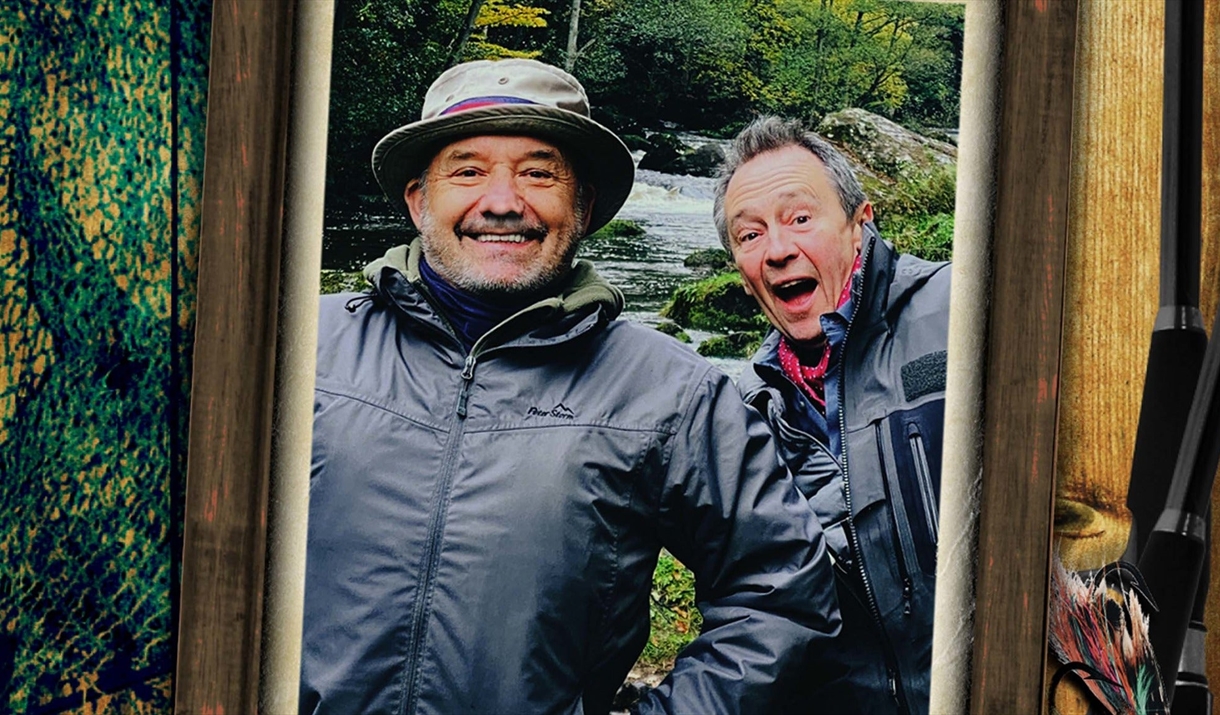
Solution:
(500, 238)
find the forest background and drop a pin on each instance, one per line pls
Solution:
(655, 69)
(704, 66)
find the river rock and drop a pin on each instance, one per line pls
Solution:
(885, 147)
(718, 304)
(740, 345)
(343, 282)
(673, 330)
(662, 152)
(704, 161)
(669, 154)
(711, 259)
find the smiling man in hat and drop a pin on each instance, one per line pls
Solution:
(497, 460)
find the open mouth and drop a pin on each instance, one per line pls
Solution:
(794, 290)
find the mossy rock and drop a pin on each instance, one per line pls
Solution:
(734, 345)
(343, 282)
(673, 330)
(718, 304)
(662, 151)
(619, 228)
(716, 258)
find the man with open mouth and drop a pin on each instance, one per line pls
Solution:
(852, 380)
(498, 459)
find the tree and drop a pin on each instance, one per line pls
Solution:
(459, 45)
(569, 61)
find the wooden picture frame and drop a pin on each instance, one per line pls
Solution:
(249, 372)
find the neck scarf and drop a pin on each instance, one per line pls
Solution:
(811, 378)
(470, 315)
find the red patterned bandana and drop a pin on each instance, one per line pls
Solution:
(812, 378)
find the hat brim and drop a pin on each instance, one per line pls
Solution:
(603, 160)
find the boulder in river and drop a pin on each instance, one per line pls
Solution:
(718, 304)
(668, 154)
(885, 147)
(709, 259)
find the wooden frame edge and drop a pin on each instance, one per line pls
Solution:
(1023, 356)
(232, 395)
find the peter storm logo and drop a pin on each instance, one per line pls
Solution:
(560, 410)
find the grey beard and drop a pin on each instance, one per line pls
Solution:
(533, 283)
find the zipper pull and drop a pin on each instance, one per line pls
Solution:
(906, 596)
(467, 377)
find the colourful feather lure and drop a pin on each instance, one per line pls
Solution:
(1099, 631)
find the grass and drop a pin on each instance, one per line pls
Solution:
(675, 620)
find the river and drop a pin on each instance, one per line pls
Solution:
(675, 211)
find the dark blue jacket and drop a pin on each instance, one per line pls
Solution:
(890, 380)
(483, 526)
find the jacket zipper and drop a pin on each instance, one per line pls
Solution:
(901, 554)
(440, 513)
(436, 526)
(873, 608)
(437, 522)
(928, 494)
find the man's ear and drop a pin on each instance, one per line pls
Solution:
(588, 195)
(415, 200)
(864, 214)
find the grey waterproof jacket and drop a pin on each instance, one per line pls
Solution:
(892, 382)
(483, 527)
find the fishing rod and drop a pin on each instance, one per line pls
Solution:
(1176, 514)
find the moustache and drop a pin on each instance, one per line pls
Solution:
(535, 230)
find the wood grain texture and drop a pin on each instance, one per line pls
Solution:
(1033, 171)
(1210, 287)
(1112, 269)
(228, 462)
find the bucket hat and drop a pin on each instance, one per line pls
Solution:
(517, 97)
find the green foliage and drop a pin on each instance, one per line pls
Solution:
(930, 193)
(343, 282)
(683, 61)
(917, 215)
(674, 618)
(892, 58)
(386, 53)
(497, 15)
(928, 236)
(706, 65)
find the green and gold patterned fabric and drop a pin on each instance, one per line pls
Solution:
(101, 161)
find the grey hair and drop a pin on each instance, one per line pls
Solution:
(769, 133)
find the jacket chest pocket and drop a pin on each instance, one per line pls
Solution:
(909, 444)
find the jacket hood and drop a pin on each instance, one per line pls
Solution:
(581, 290)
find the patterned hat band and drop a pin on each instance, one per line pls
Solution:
(480, 102)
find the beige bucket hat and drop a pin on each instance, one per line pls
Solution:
(514, 96)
